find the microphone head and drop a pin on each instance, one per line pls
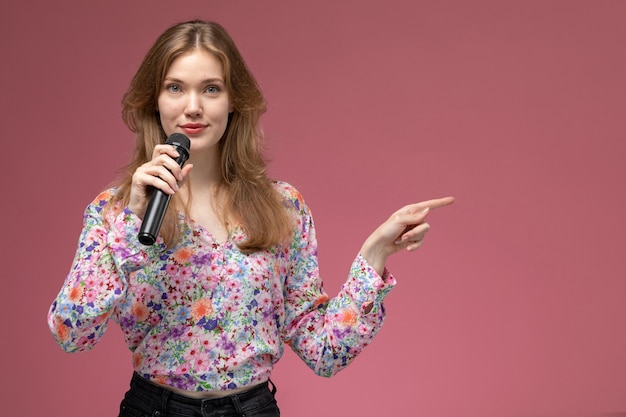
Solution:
(180, 142)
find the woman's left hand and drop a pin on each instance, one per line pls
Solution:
(405, 229)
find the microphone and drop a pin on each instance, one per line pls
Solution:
(159, 201)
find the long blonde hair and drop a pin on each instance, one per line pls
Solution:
(250, 195)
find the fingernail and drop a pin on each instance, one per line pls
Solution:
(425, 210)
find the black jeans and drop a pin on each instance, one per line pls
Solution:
(145, 399)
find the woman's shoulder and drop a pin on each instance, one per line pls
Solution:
(290, 194)
(285, 189)
(105, 198)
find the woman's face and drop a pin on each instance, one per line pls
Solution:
(193, 100)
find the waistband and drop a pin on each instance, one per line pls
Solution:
(146, 386)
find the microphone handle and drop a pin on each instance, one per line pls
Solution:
(153, 217)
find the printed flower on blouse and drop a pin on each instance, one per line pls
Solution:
(140, 311)
(75, 294)
(348, 317)
(137, 359)
(321, 301)
(202, 313)
(182, 255)
(202, 308)
(61, 330)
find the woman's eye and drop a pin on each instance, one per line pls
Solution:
(173, 88)
(212, 89)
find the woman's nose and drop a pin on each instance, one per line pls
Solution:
(194, 106)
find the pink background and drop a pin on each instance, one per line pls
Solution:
(514, 307)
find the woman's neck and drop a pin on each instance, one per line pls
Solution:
(206, 172)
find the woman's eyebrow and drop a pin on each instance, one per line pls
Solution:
(205, 81)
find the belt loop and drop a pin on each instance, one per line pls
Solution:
(165, 397)
(273, 386)
(235, 399)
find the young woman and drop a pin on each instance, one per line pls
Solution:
(233, 276)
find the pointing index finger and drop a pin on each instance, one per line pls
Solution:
(436, 203)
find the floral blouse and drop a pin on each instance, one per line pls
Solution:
(205, 316)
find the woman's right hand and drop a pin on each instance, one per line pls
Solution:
(162, 172)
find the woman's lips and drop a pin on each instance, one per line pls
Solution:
(194, 128)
